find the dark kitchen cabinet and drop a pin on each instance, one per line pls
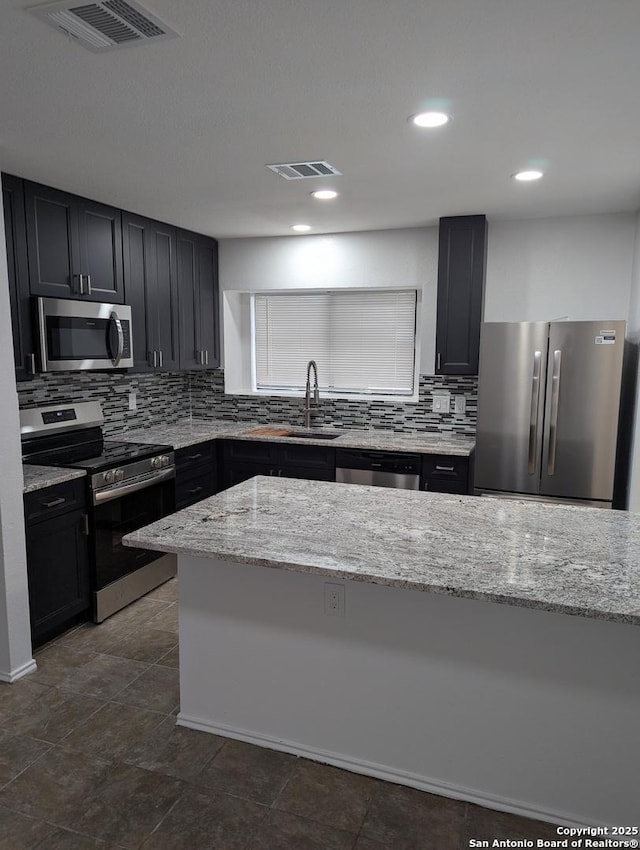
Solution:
(198, 288)
(242, 459)
(447, 474)
(196, 473)
(462, 251)
(57, 558)
(151, 287)
(17, 265)
(74, 246)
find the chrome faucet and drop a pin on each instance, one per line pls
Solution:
(308, 407)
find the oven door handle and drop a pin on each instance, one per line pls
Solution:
(102, 496)
(118, 326)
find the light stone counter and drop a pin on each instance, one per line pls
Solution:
(39, 477)
(192, 431)
(556, 558)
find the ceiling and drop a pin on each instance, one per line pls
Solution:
(181, 130)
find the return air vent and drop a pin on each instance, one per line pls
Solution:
(106, 24)
(304, 170)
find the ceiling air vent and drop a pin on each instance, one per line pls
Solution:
(106, 24)
(304, 170)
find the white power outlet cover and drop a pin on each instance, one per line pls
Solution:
(333, 599)
(461, 404)
(440, 403)
(133, 401)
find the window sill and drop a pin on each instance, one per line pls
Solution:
(389, 399)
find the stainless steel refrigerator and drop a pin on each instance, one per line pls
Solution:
(548, 410)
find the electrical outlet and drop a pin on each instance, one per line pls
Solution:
(133, 400)
(333, 599)
(461, 404)
(440, 402)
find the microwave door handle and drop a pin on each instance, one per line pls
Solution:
(118, 326)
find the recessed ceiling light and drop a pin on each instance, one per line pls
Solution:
(526, 176)
(301, 228)
(430, 119)
(325, 194)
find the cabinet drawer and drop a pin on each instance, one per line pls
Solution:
(52, 501)
(250, 450)
(293, 454)
(192, 459)
(192, 489)
(435, 485)
(446, 467)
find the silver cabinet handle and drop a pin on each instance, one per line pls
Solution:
(31, 368)
(206, 356)
(154, 357)
(533, 415)
(553, 424)
(445, 468)
(160, 357)
(88, 284)
(199, 356)
(438, 362)
(85, 524)
(81, 279)
(54, 503)
(118, 325)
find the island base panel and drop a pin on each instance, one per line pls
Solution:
(512, 708)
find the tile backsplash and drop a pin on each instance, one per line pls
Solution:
(163, 398)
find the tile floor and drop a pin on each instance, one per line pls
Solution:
(90, 757)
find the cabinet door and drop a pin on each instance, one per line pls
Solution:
(58, 573)
(208, 301)
(17, 266)
(52, 240)
(100, 241)
(462, 250)
(137, 282)
(237, 472)
(165, 294)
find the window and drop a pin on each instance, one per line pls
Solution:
(363, 341)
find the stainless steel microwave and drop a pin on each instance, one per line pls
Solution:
(78, 335)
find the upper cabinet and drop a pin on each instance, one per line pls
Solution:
(462, 252)
(74, 246)
(198, 288)
(17, 266)
(151, 287)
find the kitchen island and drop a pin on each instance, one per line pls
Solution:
(423, 638)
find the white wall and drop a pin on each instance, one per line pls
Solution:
(386, 258)
(15, 638)
(634, 336)
(548, 268)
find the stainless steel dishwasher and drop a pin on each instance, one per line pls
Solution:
(380, 469)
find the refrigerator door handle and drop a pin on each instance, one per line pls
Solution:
(533, 419)
(553, 424)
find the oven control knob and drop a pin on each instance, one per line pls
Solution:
(166, 460)
(156, 462)
(119, 474)
(109, 477)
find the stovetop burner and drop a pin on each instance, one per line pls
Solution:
(113, 454)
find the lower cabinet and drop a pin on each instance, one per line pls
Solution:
(446, 474)
(196, 473)
(243, 459)
(57, 558)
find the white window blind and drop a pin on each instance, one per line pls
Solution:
(363, 342)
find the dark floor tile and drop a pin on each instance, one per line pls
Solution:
(113, 731)
(19, 832)
(203, 820)
(166, 620)
(63, 839)
(16, 753)
(174, 750)
(55, 714)
(140, 611)
(167, 592)
(484, 823)
(327, 794)
(55, 786)
(157, 689)
(244, 770)
(104, 677)
(18, 698)
(283, 831)
(171, 659)
(364, 843)
(144, 644)
(126, 805)
(407, 819)
(96, 638)
(58, 661)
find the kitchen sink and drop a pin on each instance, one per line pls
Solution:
(313, 435)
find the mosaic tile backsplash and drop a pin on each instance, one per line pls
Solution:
(164, 398)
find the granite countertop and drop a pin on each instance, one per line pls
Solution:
(190, 432)
(39, 477)
(571, 560)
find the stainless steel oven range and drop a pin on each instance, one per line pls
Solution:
(129, 485)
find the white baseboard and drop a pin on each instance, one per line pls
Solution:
(18, 673)
(422, 783)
